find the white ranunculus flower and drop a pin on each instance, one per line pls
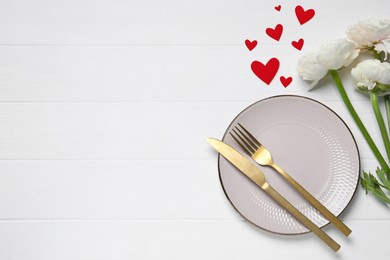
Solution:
(309, 69)
(372, 75)
(333, 55)
(337, 54)
(371, 33)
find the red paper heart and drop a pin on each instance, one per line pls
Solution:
(298, 44)
(265, 72)
(250, 44)
(275, 33)
(277, 8)
(302, 15)
(285, 81)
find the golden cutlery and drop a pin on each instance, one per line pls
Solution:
(262, 156)
(257, 176)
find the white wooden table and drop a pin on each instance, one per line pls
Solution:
(99, 99)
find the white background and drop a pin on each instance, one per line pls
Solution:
(105, 107)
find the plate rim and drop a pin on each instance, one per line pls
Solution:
(318, 103)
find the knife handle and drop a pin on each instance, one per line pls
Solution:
(300, 217)
(314, 202)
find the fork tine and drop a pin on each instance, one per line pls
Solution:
(245, 143)
(241, 145)
(248, 139)
(250, 135)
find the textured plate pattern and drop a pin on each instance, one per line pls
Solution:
(312, 144)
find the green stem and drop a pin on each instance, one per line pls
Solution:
(377, 55)
(381, 122)
(387, 105)
(357, 119)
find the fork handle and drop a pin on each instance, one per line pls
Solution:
(300, 217)
(314, 202)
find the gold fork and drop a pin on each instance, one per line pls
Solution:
(262, 156)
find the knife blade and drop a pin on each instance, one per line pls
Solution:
(257, 176)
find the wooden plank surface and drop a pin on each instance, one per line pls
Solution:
(193, 239)
(202, 22)
(145, 73)
(128, 130)
(130, 189)
(105, 107)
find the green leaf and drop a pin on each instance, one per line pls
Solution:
(372, 185)
(384, 177)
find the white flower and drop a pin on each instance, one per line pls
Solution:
(333, 55)
(372, 75)
(371, 33)
(309, 69)
(336, 54)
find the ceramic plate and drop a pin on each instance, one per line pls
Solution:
(311, 143)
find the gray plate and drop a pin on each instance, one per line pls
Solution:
(311, 143)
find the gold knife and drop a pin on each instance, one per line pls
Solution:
(257, 176)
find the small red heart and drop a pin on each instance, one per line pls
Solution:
(250, 44)
(278, 7)
(302, 15)
(265, 72)
(298, 44)
(275, 33)
(285, 81)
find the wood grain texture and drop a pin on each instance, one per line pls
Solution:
(190, 239)
(105, 107)
(174, 22)
(135, 189)
(145, 73)
(128, 130)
